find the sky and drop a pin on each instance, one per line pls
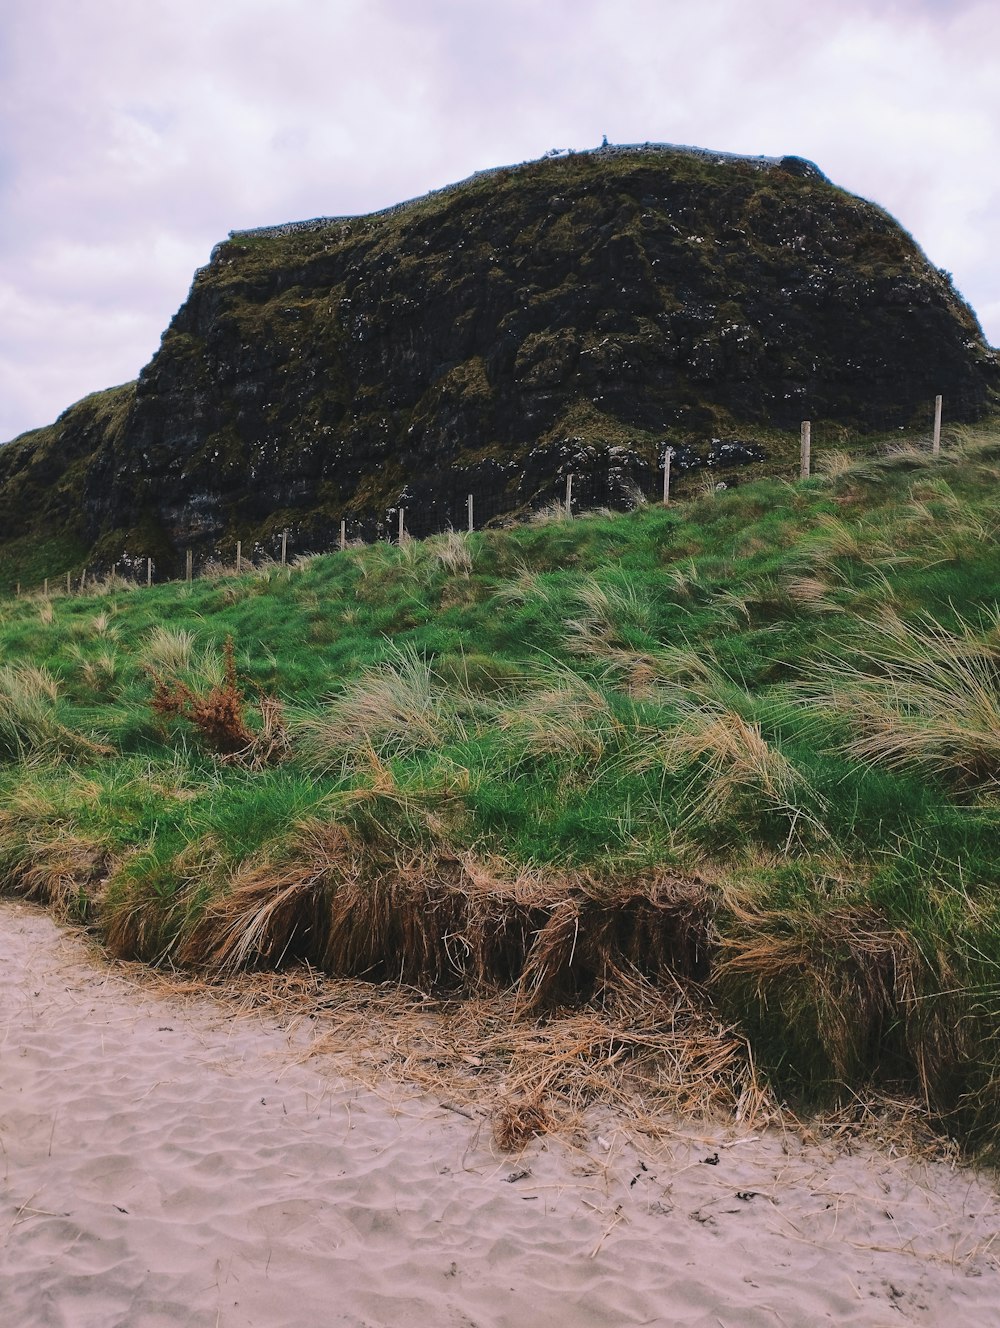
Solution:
(135, 136)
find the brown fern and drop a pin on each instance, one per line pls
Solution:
(218, 714)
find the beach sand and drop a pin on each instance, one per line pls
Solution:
(168, 1164)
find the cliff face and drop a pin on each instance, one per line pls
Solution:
(570, 314)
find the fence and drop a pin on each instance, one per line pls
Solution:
(624, 483)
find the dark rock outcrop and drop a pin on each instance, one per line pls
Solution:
(571, 314)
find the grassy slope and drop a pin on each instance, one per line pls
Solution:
(752, 740)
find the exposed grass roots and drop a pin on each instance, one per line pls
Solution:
(433, 920)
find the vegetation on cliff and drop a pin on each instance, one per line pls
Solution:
(568, 315)
(738, 757)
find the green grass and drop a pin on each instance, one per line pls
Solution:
(789, 692)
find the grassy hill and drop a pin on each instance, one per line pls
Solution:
(740, 755)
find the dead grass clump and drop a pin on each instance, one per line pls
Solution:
(66, 874)
(270, 912)
(516, 1120)
(352, 910)
(149, 905)
(47, 860)
(824, 995)
(217, 569)
(556, 511)
(403, 922)
(109, 584)
(99, 672)
(811, 593)
(429, 918)
(657, 926)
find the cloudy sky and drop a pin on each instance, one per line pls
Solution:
(133, 136)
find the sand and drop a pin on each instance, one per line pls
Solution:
(168, 1165)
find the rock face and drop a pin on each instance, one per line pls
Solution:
(571, 314)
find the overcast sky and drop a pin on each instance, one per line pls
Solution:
(133, 136)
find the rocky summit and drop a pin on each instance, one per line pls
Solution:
(570, 315)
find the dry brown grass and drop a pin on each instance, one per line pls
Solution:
(842, 978)
(650, 1054)
(572, 992)
(59, 868)
(442, 921)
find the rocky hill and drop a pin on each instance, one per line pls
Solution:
(570, 314)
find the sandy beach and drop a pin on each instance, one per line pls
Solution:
(167, 1164)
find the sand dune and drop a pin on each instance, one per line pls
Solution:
(166, 1165)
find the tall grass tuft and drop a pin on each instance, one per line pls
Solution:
(563, 716)
(397, 708)
(30, 723)
(822, 990)
(919, 695)
(168, 652)
(737, 777)
(452, 551)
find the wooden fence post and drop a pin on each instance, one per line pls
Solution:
(46, 587)
(149, 572)
(468, 504)
(569, 495)
(284, 548)
(805, 449)
(68, 584)
(239, 557)
(189, 568)
(17, 592)
(668, 454)
(402, 532)
(936, 445)
(343, 534)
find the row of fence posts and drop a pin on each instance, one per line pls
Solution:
(805, 470)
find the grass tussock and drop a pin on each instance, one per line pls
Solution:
(919, 695)
(828, 990)
(397, 708)
(30, 722)
(736, 773)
